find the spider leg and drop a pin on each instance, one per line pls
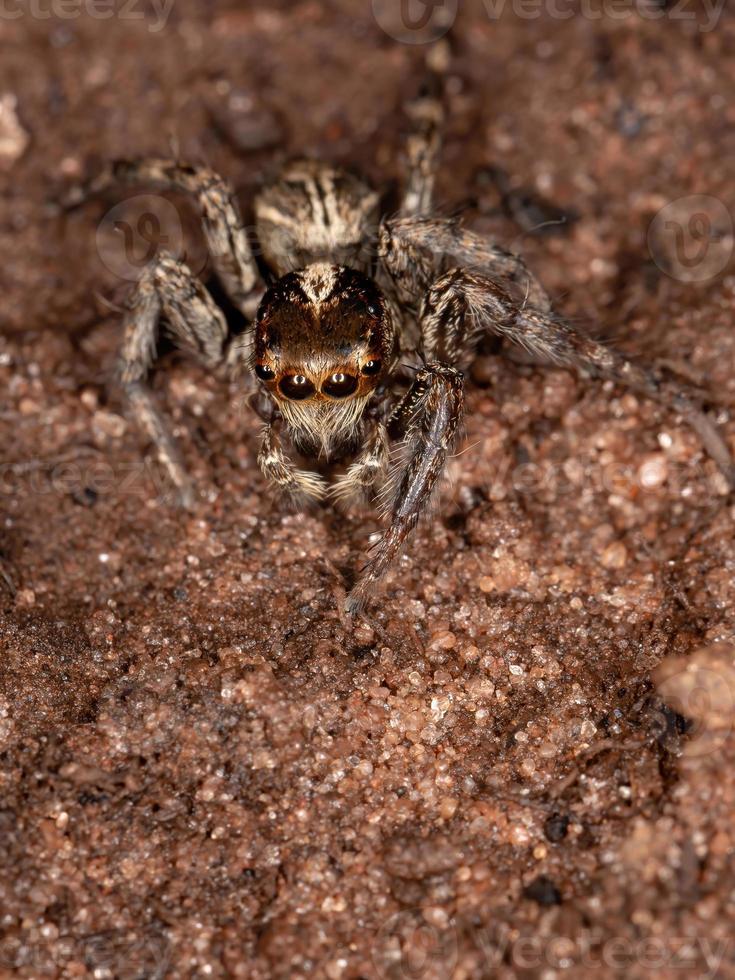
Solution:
(167, 289)
(301, 486)
(416, 250)
(461, 306)
(427, 116)
(368, 469)
(428, 418)
(423, 147)
(225, 234)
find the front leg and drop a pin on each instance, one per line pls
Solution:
(428, 418)
(368, 471)
(301, 486)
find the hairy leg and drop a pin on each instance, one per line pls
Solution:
(301, 486)
(461, 306)
(415, 251)
(423, 147)
(167, 289)
(427, 116)
(428, 420)
(227, 240)
(368, 471)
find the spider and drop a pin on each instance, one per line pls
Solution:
(360, 329)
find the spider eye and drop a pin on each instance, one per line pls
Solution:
(264, 373)
(371, 367)
(296, 387)
(340, 385)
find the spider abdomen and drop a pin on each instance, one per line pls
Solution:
(313, 212)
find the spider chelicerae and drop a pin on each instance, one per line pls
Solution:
(359, 330)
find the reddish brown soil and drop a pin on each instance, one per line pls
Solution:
(205, 770)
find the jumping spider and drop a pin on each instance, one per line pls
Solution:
(355, 353)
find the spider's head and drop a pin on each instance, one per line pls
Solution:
(324, 339)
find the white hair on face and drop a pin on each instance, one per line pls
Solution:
(324, 425)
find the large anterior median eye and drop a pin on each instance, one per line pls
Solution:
(340, 385)
(296, 387)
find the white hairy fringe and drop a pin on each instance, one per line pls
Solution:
(324, 425)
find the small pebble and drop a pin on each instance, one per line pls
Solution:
(543, 891)
(26, 597)
(363, 635)
(13, 138)
(614, 556)
(448, 807)
(28, 406)
(653, 472)
(519, 835)
(443, 641)
(556, 827)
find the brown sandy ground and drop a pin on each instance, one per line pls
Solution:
(522, 765)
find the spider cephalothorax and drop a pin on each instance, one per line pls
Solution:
(343, 369)
(324, 339)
